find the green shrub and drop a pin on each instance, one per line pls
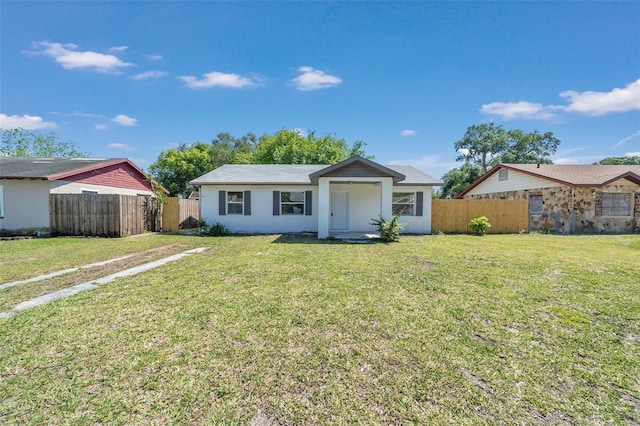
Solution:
(389, 230)
(214, 230)
(480, 225)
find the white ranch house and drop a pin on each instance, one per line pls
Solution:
(327, 199)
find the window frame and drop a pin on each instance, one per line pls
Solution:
(503, 174)
(293, 203)
(394, 204)
(235, 202)
(606, 212)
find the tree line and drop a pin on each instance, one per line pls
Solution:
(483, 146)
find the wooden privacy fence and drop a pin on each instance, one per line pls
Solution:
(180, 213)
(103, 215)
(505, 216)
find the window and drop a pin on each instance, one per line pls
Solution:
(503, 174)
(403, 202)
(616, 204)
(535, 204)
(235, 202)
(1, 202)
(292, 202)
(89, 191)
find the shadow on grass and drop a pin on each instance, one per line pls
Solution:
(305, 238)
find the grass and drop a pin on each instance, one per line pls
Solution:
(437, 330)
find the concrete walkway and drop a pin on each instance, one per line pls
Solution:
(89, 285)
(62, 272)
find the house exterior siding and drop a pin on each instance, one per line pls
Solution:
(26, 204)
(77, 187)
(261, 220)
(571, 209)
(364, 205)
(515, 182)
(117, 175)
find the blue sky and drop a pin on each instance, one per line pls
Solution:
(131, 79)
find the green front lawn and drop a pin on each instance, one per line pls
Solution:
(432, 330)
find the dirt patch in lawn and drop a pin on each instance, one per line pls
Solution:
(10, 297)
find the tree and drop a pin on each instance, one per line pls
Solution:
(623, 161)
(456, 180)
(481, 144)
(28, 143)
(175, 167)
(487, 145)
(529, 148)
(290, 147)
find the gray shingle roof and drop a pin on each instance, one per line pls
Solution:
(44, 168)
(262, 174)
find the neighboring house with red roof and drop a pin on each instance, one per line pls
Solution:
(327, 199)
(26, 183)
(567, 198)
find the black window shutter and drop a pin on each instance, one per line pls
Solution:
(307, 203)
(247, 203)
(419, 202)
(222, 203)
(276, 203)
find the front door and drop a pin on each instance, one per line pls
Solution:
(339, 210)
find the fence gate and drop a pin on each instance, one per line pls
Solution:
(505, 216)
(180, 213)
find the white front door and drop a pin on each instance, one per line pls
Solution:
(339, 210)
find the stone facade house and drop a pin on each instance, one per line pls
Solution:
(567, 198)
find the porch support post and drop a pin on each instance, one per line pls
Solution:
(324, 207)
(386, 198)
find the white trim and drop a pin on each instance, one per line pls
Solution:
(1, 201)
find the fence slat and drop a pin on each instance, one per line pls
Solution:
(505, 216)
(102, 215)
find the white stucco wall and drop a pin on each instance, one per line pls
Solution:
(516, 181)
(66, 187)
(261, 220)
(364, 204)
(417, 224)
(26, 204)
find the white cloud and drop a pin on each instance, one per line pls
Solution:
(600, 103)
(215, 78)
(302, 132)
(632, 154)
(408, 132)
(27, 122)
(519, 110)
(627, 139)
(124, 120)
(588, 103)
(120, 146)
(313, 79)
(67, 56)
(118, 48)
(566, 161)
(85, 114)
(154, 57)
(150, 74)
(101, 126)
(463, 151)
